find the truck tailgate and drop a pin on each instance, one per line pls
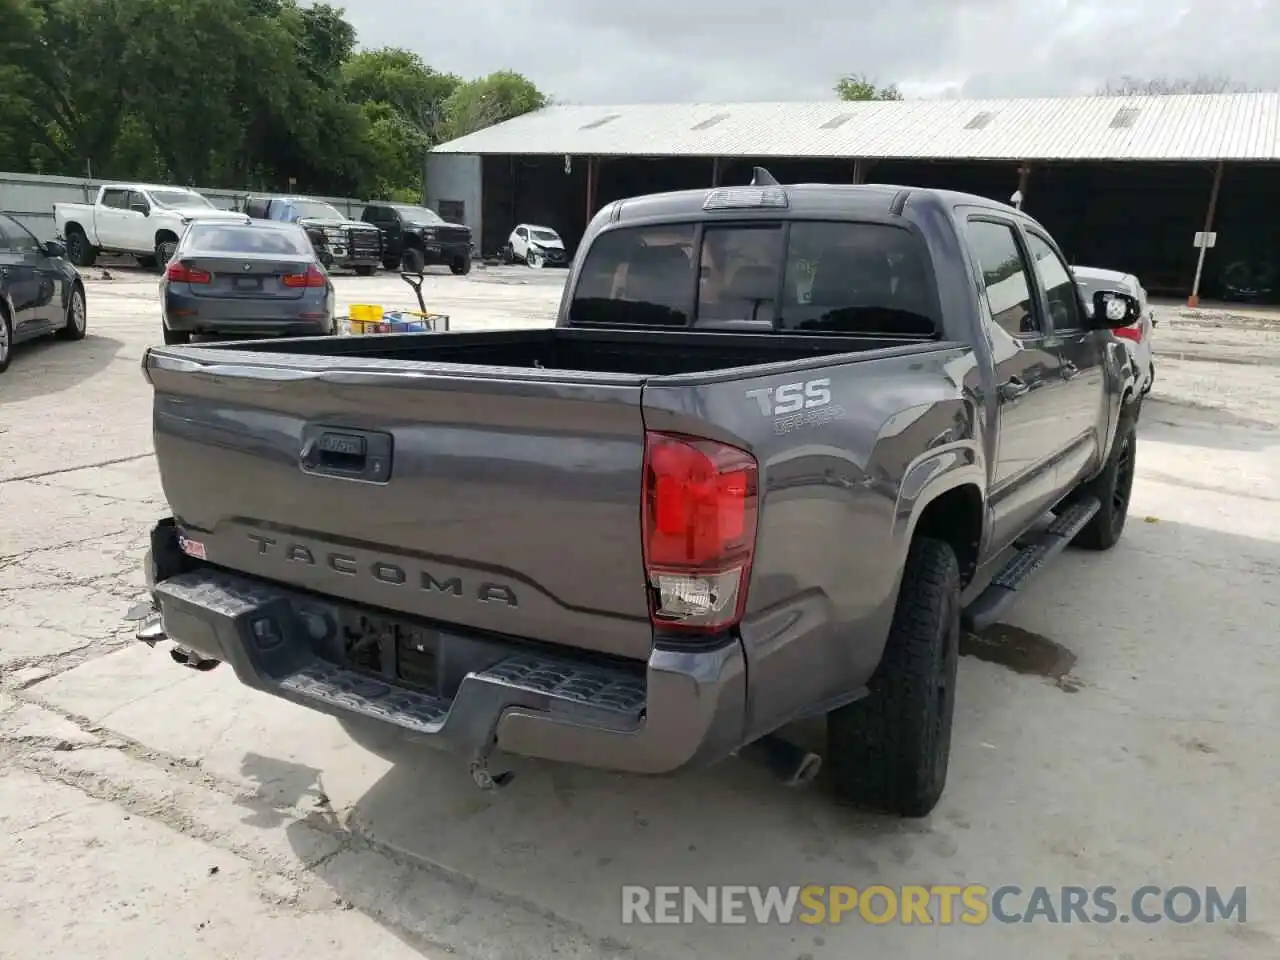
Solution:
(498, 499)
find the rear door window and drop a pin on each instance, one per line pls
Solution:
(637, 276)
(1004, 276)
(859, 278)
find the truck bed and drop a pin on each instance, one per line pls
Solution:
(611, 351)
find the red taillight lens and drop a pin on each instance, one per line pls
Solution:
(700, 506)
(184, 273)
(312, 278)
(1133, 333)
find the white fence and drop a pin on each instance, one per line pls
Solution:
(29, 198)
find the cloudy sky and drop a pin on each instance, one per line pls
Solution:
(597, 51)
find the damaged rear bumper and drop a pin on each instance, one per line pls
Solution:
(477, 693)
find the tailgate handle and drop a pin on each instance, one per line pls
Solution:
(346, 454)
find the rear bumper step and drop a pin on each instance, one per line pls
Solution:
(1034, 553)
(680, 709)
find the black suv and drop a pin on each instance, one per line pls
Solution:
(413, 237)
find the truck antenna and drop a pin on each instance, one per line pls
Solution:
(760, 177)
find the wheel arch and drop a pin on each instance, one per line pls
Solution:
(956, 516)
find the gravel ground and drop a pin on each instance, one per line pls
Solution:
(151, 811)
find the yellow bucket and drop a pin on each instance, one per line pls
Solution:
(365, 313)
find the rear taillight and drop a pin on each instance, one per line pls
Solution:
(1133, 333)
(700, 504)
(180, 272)
(312, 278)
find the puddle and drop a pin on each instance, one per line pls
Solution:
(1022, 652)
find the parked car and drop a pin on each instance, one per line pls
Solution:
(40, 291)
(134, 218)
(415, 237)
(248, 278)
(536, 246)
(1138, 334)
(339, 240)
(773, 455)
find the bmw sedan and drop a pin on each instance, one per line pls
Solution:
(40, 291)
(255, 278)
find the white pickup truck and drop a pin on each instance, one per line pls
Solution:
(135, 218)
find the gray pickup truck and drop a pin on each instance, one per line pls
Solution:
(781, 444)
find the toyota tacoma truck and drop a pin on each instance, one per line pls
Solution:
(338, 240)
(782, 445)
(134, 218)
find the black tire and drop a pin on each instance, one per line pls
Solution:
(1113, 487)
(890, 750)
(146, 263)
(413, 261)
(77, 323)
(176, 336)
(6, 339)
(508, 255)
(365, 270)
(166, 244)
(391, 263)
(79, 251)
(461, 266)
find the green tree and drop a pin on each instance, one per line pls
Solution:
(400, 79)
(857, 86)
(488, 100)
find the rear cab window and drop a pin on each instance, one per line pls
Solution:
(790, 276)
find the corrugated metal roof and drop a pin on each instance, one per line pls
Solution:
(1208, 127)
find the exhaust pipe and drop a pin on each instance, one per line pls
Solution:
(793, 765)
(189, 658)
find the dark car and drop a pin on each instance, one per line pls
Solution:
(782, 443)
(339, 240)
(254, 278)
(415, 237)
(40, 291)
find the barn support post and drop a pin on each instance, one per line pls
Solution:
(715, 171)
(1194, 299)
(1024, 178)
(593, 185)
(861, 168)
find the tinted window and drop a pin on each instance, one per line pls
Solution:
(738, 273)
(546, 236)
(1004, 274)
(638, 275)
(861, 278)
(316, 209)
(115, 198)
(1059, 285)
(234, 238)
(14, 236)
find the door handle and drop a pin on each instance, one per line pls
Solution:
(1013, 388)
(1069, 370)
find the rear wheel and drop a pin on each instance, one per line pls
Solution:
(390, 263)
(176, 336)
(413, 261)
(365, 270)
(461, 266)
(77, 316)
(6, 339)
(508, 255)
(890, 750)
(1113, 487)
(79, 250)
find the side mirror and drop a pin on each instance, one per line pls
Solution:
(1112, 309)
(54, 249)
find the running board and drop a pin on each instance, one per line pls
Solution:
(1026, 563)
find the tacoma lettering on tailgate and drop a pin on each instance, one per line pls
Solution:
(383, 571)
